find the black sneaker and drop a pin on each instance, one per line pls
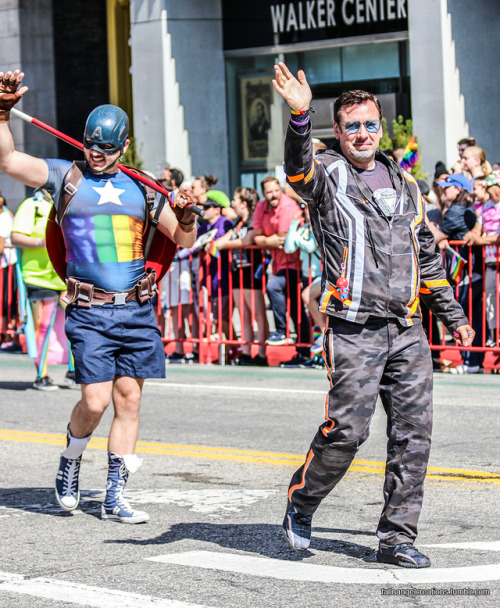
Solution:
(404, 555)
(70, 380)
(11, 347)
(297, 528)
(296, 361)
(259, 361)
(175, 358)
(44, 384)
(191, 358)
(244, 359)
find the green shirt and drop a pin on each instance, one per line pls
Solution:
(31, 219)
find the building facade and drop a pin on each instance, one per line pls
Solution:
(195, 75)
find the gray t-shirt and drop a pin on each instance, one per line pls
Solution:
(376, 178)
(379, 182)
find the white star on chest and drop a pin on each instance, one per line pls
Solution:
(109, 194)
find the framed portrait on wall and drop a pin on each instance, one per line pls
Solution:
(256, 118)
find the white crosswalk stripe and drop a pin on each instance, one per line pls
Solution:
(82, 595)
(293, 571)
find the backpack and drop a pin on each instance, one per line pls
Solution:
(159, 250)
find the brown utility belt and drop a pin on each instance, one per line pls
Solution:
(86, 295)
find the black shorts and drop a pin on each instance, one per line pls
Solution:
(36, 293)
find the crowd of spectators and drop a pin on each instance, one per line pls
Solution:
(462, 206)
(253, 277)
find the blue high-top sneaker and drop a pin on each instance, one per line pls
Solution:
(67, 491)
(115, 506)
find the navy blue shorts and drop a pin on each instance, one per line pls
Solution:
(109, 341)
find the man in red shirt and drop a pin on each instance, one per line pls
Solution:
(271, 222)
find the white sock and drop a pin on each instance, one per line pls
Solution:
(76, 446)
(132, 462)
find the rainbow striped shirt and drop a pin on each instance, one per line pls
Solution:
(102, 228)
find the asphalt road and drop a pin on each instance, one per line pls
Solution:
(219, 448)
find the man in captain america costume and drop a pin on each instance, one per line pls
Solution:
(109, 322)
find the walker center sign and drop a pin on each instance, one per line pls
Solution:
(261, 23)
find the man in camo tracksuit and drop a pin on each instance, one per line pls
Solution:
(378, 259)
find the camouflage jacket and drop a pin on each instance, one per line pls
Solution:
(389, 264)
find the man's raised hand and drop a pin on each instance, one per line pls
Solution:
(295, 91)
(9, 93)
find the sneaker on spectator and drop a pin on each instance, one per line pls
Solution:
(175, 358)
(316, 362)
(317, 347)
(44, 383)
(490, 343)
(259, 361)
(277, 338)
(11, 347)
(294, 361)
(466, 369)
(191, 358)
(70, 380)
(245, 359)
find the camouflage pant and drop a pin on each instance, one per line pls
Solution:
(380, 357)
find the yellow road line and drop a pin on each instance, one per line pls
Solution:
(237, 455)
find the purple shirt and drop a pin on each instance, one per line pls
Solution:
(222, 225)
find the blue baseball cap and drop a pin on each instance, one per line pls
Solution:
(456, 179)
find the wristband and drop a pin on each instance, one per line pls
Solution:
(192, 224)
(41, 243)
(4, 115)
(187, 223)
(298, 112)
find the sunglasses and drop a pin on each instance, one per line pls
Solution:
(353, 126)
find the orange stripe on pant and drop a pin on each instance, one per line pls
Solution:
(302, 483)
(328, 359)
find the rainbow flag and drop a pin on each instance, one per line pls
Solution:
(410, 155)
(214, 252)
(457, 264)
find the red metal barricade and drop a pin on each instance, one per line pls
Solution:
(203, 311)
(479, 305)
(220, 313)
(215, 331)
(213, 319)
